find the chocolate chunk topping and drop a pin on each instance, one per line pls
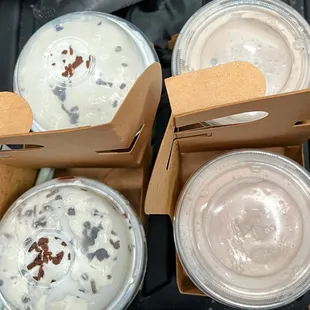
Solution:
(84, 276)
(116, 244)
(58, 197)
(33, 247)
(93, 286)
(109, 277)
(53, 191)
(69, 256)
(53, 64)
(71, 211)
(118, 49)
(58, 28)
(123, 85)
(53, 281)
(124, 65)
(56, 261)
(114, 104)
(63, 243)
(29, 213)
(101, 254)
(101, 82)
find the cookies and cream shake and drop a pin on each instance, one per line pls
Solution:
(77, 69)
(241, 228)
(71, 244)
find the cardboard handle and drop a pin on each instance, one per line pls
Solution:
(237, 88)
(15, 114)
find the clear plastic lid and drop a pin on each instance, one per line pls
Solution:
(241, 229)
(71, 244)
(77, 69)
(267, 33)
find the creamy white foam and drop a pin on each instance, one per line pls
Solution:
(97, 245)
(241, 228)
(109, 62)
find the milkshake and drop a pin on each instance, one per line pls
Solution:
(77, 69)
(267, 33)
(241, 228)
(71, 244)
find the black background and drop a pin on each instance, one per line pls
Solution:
(159, 20)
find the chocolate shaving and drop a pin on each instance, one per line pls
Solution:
(60, 255)
(31, 265)
(44, 247)
(69, 256)
(71, 50)
(78, 61)
(33, 247)
(42, 241)
(56, 261)
(45, 259)
(41, 272)
(70, 70)
(64, 52)
(53, 281)
(63, 243)
(65, 73)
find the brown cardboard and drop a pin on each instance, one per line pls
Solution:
(185, 148)
(113, 144)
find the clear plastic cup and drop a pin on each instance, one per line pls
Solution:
(77, 69)
(267, 33)
(241, 229)
(71, 243)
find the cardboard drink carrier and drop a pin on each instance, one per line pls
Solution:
(187, 145)
(117, 153)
